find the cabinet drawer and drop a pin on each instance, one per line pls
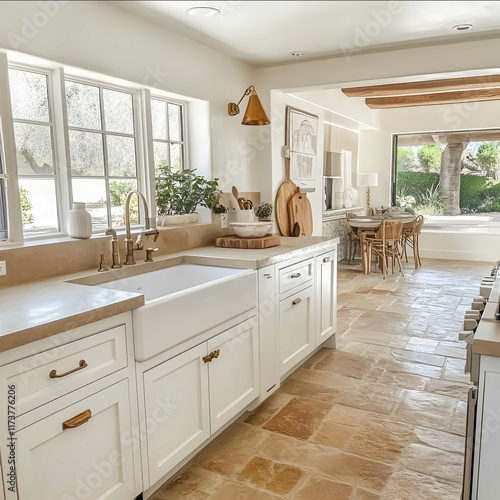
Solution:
(51, 374)
(81, 451)
(293, 276)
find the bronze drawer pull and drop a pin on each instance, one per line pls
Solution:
(296, 301)
(208, 358)
(78, 420)
(326, 259)
(296, 275)
(81, 365)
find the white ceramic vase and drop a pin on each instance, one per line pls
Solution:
(79, 222)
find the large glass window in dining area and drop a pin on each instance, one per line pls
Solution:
(34, 134)
(102, 150)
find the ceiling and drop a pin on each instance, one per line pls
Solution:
(264, 33)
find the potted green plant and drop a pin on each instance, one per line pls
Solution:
(179, 192)
(264, 211)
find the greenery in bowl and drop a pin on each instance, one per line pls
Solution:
(179, 192)
(264, 211)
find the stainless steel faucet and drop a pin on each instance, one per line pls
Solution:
(130, 246)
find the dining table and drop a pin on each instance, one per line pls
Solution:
(368, 225)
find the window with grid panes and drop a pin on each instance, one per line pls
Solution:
(37, 172)
(168, 137)
(102, 150)
(4, 234)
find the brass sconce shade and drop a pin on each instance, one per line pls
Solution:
(255, 114)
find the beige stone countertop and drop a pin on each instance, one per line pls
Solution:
(38, 310)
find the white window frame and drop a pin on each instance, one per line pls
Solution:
(137, 136)
(56, 77)
(184, 129)
(59, 188)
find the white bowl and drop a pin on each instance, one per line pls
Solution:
(251, 229)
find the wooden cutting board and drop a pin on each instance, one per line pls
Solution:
(233, 241)
(299, 210)
(285, 192)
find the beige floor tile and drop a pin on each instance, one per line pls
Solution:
(333, 434)
(438, 439)
(317, 488)
(237, 491)
(271, 476)
(408, 485)
(361, 494)
(294, 386)
(300, 418)
(447, 388)
(344, 363)
(433, 462)
(409, 367)
(330, 380)
(380, 440)
(404, 380)
(347, 415)
(268, 408)
(426, 409)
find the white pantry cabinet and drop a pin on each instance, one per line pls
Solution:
(326, 300)
(191, 396)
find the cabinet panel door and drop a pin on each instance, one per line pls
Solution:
(296, 336)
(93, 460)
(326, 304)
(268, 338)
(177, 415)
(234, 374)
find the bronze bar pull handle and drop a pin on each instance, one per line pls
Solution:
(326, 259)
(81, 365)
(296, 275)
(78, 420)
(216, 353)
(207, 358)
(296, 301)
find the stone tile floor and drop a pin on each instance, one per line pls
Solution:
(382, 417)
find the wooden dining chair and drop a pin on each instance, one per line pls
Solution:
(386, 244)
(354, 239)
(409, 238)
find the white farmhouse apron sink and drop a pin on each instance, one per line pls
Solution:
(184, 301)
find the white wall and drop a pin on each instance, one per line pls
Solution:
(279, 102)
(106, 39)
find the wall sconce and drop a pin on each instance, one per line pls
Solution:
(255, 114)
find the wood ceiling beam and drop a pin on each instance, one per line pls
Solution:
(427, 87)
(432, 99)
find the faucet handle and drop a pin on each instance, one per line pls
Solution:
(149, 254)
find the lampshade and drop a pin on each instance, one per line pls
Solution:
(332, 164)
(254, 114)
(368, 180)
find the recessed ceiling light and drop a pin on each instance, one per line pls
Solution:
(203, 11)
(297, 54)
(463, 27)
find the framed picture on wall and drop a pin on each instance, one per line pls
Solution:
(302, 139)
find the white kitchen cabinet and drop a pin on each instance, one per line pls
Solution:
(233, 372)
(296, 328)
(189, 397)
(80, 451)
(268, 340)
(177, 410)
(326, 299)
(486, 480)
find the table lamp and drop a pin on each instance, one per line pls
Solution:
(368, 180)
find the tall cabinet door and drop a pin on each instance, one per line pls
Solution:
(233, 371)
(296, 335)
(177, 410)
(268, 340)
(81, 451)
(326, 303)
